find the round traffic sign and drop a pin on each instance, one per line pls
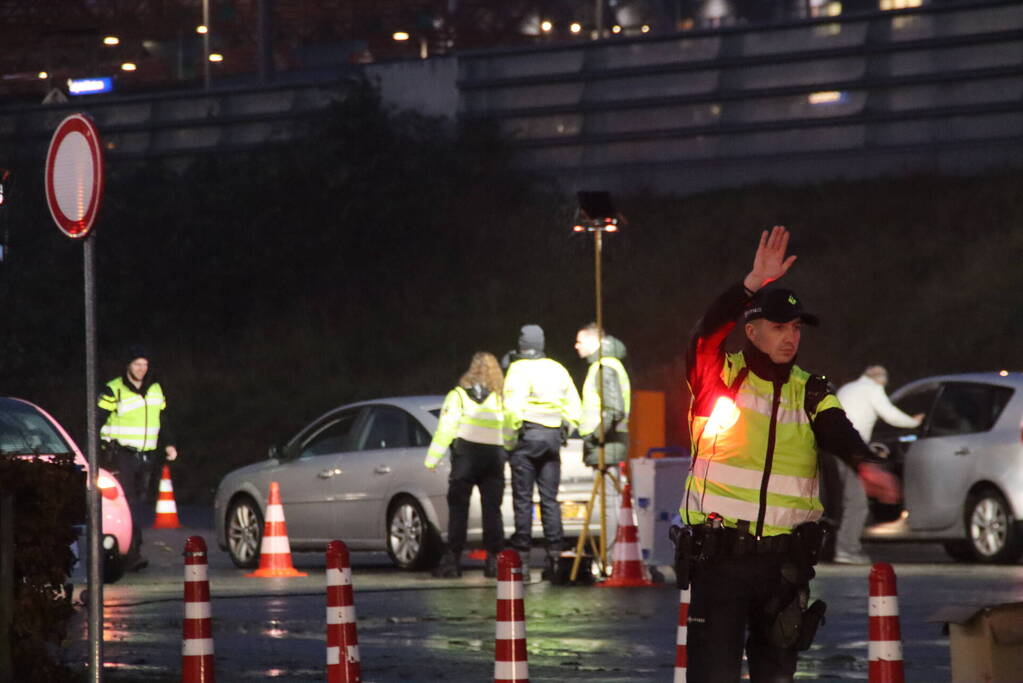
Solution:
(74, 175)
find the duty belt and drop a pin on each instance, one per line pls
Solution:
(730, 542)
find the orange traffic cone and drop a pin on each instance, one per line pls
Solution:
(627, 568)
(275, 551)
(166, 509)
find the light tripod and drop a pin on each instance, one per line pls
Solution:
(596, 219)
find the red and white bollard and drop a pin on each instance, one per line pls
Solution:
(682, 636)
(510, 645)
(343, 664)
(884, 652)
(197, 627)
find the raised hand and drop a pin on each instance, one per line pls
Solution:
(770, 261)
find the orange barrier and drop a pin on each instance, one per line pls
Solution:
(197, 627)
(166, 509)
(510, 663)
(884, 652)
(627, 568)
(682, 636)
(275, 551)
(342, 639)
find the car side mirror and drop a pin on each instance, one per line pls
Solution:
(274, 452)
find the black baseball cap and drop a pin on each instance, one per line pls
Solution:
(778, 305)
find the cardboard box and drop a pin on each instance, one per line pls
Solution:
(986, 643)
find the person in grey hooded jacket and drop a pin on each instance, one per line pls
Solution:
(617, 397)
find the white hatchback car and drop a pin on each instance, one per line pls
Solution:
(962, 469)
(356, 474)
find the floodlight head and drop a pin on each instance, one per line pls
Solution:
(596, 212)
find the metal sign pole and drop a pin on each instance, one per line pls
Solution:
(95, 521)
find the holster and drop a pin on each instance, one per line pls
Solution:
(796, 620)
(682, 537)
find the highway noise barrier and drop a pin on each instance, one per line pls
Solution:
(884, 652)
(342, 641)
(166, 510)
(510, 644)
(275, 551)
(197, 627)
(682, 636)
(627, 568)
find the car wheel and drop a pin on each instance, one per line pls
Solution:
(244, 532)
(412, 542)
(990, 529)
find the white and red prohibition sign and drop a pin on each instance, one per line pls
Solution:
(74, 175)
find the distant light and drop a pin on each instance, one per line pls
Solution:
(575, 27)
(111, 40)
(202, 28)
(577, 228)
(546, 25)
(611, 228)
(826, 97)
(216, 57)
(43, 74)
(833, 9)
(616, 29)
(645, 29)
(89, 86)
(1004, 373)
(128, 66)
(400, 36)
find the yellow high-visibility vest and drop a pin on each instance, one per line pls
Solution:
(134, 419)
(463, 418)
(728, 472)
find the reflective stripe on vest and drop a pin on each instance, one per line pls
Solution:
(463, 418)
(134, 420)
(728, 472)
(591, 396)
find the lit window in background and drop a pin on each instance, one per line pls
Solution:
(546, 25)
(128, 66)
(399, 36)
(216, 57)
(826, 97)
(888, 5)
(202, 28)
(111, 40)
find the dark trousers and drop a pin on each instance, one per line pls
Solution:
(134, 470)
(475, 464)
(727, 615)
(536, 460)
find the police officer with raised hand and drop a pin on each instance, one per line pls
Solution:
(750, 507)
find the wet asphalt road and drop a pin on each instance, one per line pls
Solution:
(412, 627)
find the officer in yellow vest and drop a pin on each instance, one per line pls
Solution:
(131, 406)
(543, 408)
(617, 399)
(472, 422)
(750, 507)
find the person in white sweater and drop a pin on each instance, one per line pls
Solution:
(864, 401)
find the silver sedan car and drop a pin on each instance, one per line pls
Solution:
(962, 469)
(356, 474)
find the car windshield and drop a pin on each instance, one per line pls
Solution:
(24, 431)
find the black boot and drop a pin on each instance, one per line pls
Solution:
(448, 567)
(550, 570)
(490, 565)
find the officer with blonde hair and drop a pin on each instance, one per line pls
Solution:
(472, 423)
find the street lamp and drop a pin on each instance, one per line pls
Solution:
(596, 215)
